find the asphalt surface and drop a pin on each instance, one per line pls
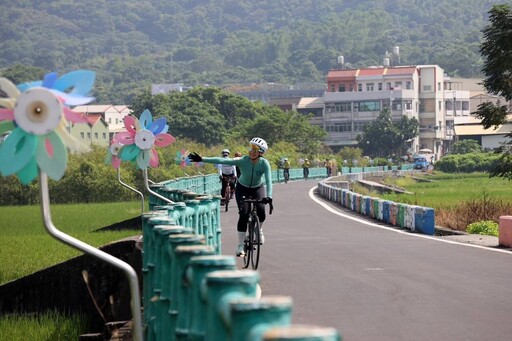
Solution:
(375, 282)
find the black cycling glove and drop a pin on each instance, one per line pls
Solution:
(194, 157)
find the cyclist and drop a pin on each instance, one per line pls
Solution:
(227, 175)
(255, 174)
(286, 169)
(305, 168)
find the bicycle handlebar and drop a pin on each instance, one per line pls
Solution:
(261, 201)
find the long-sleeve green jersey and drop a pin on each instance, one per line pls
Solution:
(252, 174)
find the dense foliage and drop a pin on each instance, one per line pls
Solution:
(211, 116)
(466, 146)
(382, 137)
(466, 163)
(133, 43)
(496, 50)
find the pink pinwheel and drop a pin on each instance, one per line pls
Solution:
(36, 119)
(181, 158)
(141, 137)
(112, 155)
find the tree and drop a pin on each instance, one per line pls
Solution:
(466, 146)
(382, 137)
(20, 73)
(496, 49)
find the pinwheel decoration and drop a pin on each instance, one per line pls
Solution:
(36, 114)
(112, 154)
(182, 158)
(141, 137)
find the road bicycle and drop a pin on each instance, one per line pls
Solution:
(229, 191)
(286, 174)
(252, 242)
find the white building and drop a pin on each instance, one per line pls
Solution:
(356, 97)
(112, 114)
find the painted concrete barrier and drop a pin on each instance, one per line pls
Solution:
(414, 218)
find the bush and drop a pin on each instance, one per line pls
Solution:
(484, 227)
(466, 163)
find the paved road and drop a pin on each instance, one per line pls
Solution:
(372, 282)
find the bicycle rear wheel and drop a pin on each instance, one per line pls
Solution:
(226, 199)
(255, 254)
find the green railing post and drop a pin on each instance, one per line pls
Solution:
(182, 302)
(199, 268)
(251, 317)
(221, 288)
(165, 326)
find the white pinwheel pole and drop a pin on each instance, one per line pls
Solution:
(146, 183)
(77, 244)
(130, 188)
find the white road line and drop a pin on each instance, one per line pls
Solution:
(341, 214)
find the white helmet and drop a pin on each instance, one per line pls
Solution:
(225, 152)
(260, 143)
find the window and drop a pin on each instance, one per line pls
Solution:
(96, 136)
(369, 86)
(427, 88)
(369, 106)
(359, 87)
(380, 86)
(82, 135)
(408, 105)
(342, 88)
(439, 86)
(398, 84)
(332, 87)
(408, 85)
(439, 105)
(359, 126)
(448, 105)
(427, 105)
(104, 136)
(388, 86)
(465, 105)
(351, 87)
(343, 107)
(397, 105)
(109, 120)
(88, 136)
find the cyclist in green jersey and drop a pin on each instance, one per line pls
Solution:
(255, 175)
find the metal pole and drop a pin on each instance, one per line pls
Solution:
(77, 244)
(129, 187)
(145, 172)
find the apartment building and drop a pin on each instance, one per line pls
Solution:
(112, 115)
(355, 97)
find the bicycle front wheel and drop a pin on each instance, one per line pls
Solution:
(248, 247)
(255, 237)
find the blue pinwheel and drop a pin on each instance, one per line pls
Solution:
(141, 137)
(36, 115)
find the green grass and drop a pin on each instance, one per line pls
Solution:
(48, 326)
(449, 190)
(27, 247)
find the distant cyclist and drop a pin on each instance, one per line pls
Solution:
(286, 169)
(255, 175)
(305, 168)
(227, 174)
